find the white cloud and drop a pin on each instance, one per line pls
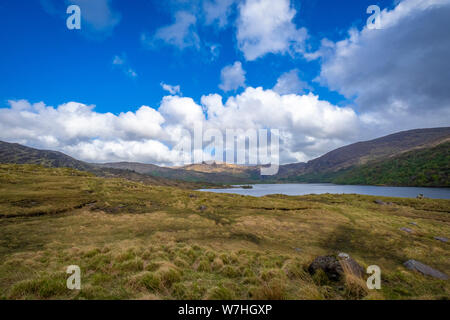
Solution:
(266, 26)
(214, 50)
(289, 82)
(398, 76)
(122, 63)
(217, 12)
(308, 126)
(232, 77)
(181, 34)
(171, 89)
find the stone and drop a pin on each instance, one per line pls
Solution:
(413, 223)
(443, 239)
(202, 208)
(334, 267)
(424, 269)
(406, 230)
(343, 255)
(350, 265)
(379, 202)
(329, 264)
(298, 249)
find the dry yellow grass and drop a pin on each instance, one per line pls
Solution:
(134, 241)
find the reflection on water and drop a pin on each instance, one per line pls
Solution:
(259, 190)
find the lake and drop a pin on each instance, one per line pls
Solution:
(260, 190)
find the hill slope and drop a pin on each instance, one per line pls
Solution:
(361, 153)
(403, 158)
(134, 241)
(424, 167)
(19, 154)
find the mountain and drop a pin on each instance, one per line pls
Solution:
(218, 173)
(362, 153)
(19, 154)
(414, 158)
(424, 167)
(16, 153)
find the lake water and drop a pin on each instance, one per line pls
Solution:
(260, 190)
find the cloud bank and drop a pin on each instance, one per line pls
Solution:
(308, 126)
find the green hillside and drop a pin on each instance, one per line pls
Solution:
(428, 167)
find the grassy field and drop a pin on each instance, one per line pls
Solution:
(135, 241)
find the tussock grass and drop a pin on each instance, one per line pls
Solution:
(134, 241)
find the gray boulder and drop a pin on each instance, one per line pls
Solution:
(334, 267)
(424, 269)
(406, 230)
(350, 265)
(443, 239)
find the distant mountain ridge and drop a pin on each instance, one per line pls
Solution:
(355, 162)
(361, 153)
(19, 154)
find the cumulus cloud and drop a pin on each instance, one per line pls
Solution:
(171, 89)
(181, 34)
(266, 26)
(122, 63)
(398, 76)
(308, 126)
(232, 77)
(289, 82)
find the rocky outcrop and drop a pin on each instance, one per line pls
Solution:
(335, 267)
(424, 269)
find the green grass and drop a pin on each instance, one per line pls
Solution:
(135, 241)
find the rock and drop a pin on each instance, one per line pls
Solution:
(413, 223)
(443, 239)
(343, 255)
(350, 265)
(202, 208)
(424, 269)
(192, 196)
(420, 196)
(379, 202)
(334, 268)
(298, 249)
(329, 264)
(406, 230)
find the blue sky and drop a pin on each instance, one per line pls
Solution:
(140, 75)
(43, 60)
